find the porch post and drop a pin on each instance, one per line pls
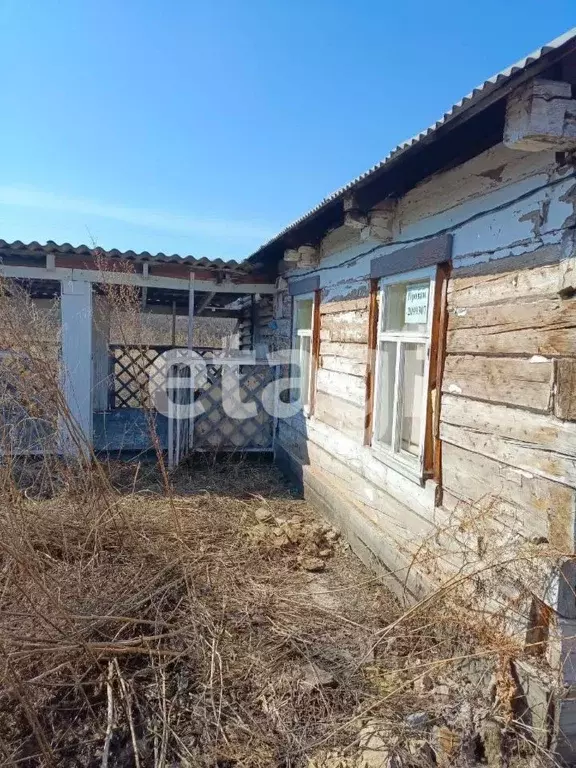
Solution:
(190, 424)
(100, 355)
(76, 309)
(191, 312)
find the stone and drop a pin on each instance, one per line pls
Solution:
(374, 758)
(375, 745)
(325, 553)
(263, 515)
(332, 535)
(317, 677)
(293, 533)
(423, 683)
(314, 529)
(421, 749)
(534, 694)
(312, 564)
(258, 533)
(281, 542)
(442, 691)
(417, 720)
(374, 734)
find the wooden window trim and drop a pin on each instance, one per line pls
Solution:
(314, 335)
(433, 444)
(306, 285)
(428, 253)
(315, 362)
(371, 360)
(430, 461)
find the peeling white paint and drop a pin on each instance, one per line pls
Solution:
(538, 359)
(521, 473)
(511, 249)
(460, 311)
(454, 389)
(478, 202)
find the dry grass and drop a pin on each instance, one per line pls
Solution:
(129, 637)
(199, 638)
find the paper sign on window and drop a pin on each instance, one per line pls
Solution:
(416, 307)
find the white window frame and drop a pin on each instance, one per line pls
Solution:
(399, 459)
(297, 360)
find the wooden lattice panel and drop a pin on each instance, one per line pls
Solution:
(215, 430)
(131, 370)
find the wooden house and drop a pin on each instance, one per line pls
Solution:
(437, 296)
(106, 384)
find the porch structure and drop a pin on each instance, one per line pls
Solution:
(105, 384)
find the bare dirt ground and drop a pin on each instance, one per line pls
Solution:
(226, 625)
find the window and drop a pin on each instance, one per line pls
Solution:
(402, 363)
(302, 345)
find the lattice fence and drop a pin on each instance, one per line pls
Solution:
(130, 369)
(250, 429)
(215, 430)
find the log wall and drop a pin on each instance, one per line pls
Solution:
(508, 393)
(508, 404)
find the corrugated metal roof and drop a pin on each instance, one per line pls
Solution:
(33, 249)
(475, 96)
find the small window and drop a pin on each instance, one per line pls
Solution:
(302, 345)
(402, 362)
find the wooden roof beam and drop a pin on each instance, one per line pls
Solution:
(129, 278)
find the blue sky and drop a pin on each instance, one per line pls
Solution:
(205, 127)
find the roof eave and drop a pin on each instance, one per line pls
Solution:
(36, 250)
(490, 92)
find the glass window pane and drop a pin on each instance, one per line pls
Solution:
(304, 314)
(384, 399)
(395, 297)
(406, 307)
(304, 356)
(413, 410)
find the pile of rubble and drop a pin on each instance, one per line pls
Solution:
(420, 745)
(465, 725)
(311, 543)
(436, 697)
